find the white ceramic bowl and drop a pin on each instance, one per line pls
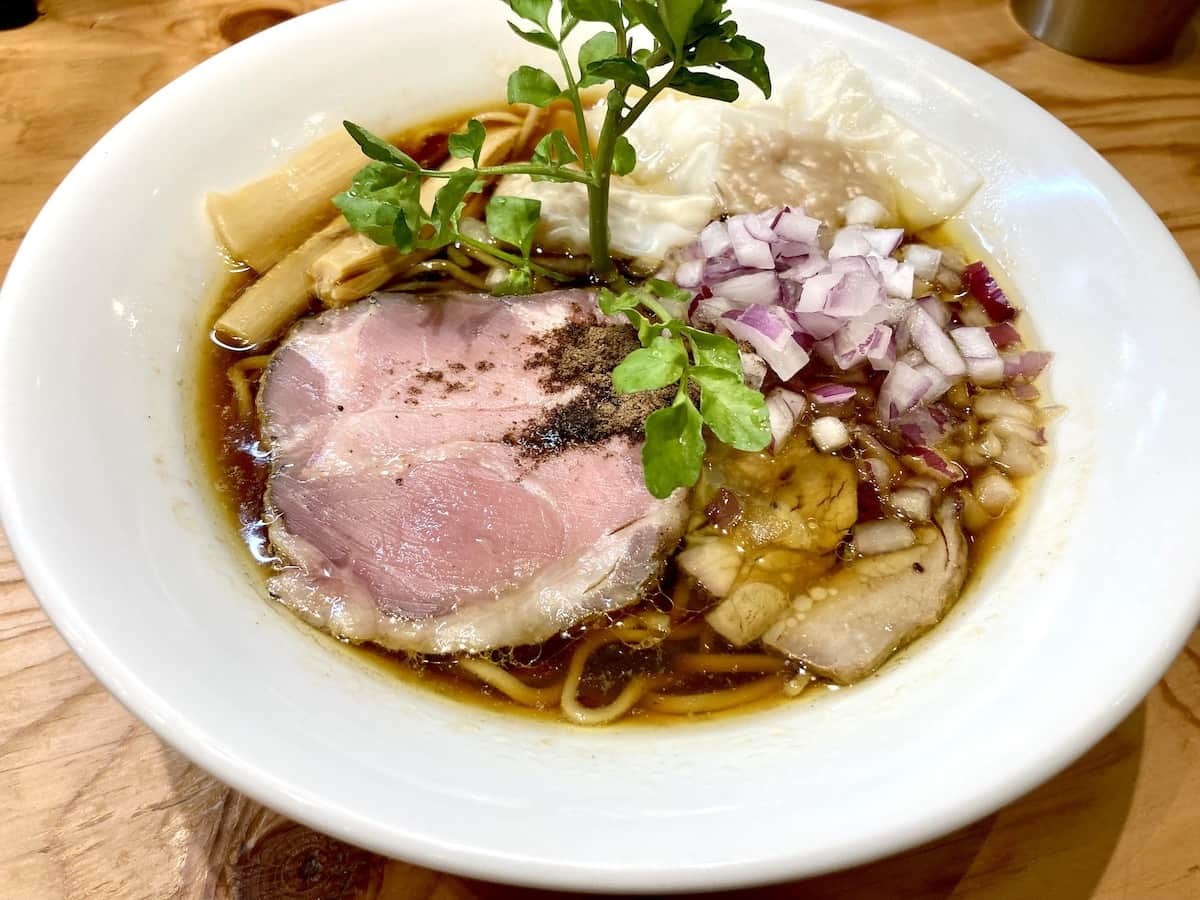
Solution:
(106, 508)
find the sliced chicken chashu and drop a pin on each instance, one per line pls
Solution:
(846, 625)
(783, 540)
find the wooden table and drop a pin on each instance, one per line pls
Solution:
(92, 805)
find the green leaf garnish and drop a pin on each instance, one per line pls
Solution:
(595, 11)
(620, 69)
(531, 85)
(674, 450)
(652, 367)
(468, 144)
(377, 148)
(702, 84)
(624, 157)
(536, 11)
(514, 221)
(714, 350)
(602, 45)
(736, 413)
(554, 150)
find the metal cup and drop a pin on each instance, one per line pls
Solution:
(1110, 30)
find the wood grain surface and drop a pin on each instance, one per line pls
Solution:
(92, 805)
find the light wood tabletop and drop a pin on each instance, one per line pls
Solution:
(93, 805)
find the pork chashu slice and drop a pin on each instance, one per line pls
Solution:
(405, 516)
(847, 624)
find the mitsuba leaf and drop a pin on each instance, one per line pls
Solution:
(554, 150)
(537, 11)
(517, 281)
(619, 68)
(736, 414)
(447, 206)
(612, 303)
(378, 202)
(677, 16)
(702, 84)
(640, 11)
(750, 63)
(624, 157)
(467, 144)
(674, 448)
(514, 221)
(377, 148)
(531, 85)
(538, 38)
(595, 11)
(715, 351)
(601, 45)
(652, 367)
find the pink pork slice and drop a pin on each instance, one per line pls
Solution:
(402, 514)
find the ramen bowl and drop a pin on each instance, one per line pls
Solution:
(112, 519)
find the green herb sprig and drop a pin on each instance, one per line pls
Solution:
(674, 353)
(685, 38)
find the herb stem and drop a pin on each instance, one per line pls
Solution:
(585, 150)
(510, 258)
(554, 172)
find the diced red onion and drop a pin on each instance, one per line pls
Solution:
(938, 381)
(928, 461)
(793, 226)
(1028, 364)
(937, 348)
(883, 241)
(817, 324)
(768, 331)
(761, 226)
(924, 259)
(897, 277)
(783, 408)
(714, 239)
(689, 273)
(854, 295)
(830, 433)
(747, 249)
(851, 343)
(815, 291)
(805, 268)
(983, 287)
(902, 389)
(706, 312)
(1004, 335)
(984, 365)
(863, 210)
(830, 394)
(1023, 391)
(922, 427)
(753, 287)
(881, 353)
(938, 311)
(849, 241)
(880, 474)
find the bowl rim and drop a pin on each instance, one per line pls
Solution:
(154, 708)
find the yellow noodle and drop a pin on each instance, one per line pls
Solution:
(501, 117)
(457, 255)
(757, 663)
(239, 380)
(687, 631)
(511, 686)
(630, 694)
(710, 701)
(446, 267)
(530, 123)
